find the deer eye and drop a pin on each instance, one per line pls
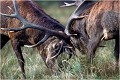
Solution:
(56, 45)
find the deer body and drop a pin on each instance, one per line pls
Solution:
(32, 12)
(101, 23)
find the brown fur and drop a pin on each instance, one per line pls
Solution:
(34, 14)
(102, 23)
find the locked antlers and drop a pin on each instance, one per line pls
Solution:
(27, 24)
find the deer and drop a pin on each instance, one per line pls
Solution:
(86, 27)
(93, 22)
(24, 23)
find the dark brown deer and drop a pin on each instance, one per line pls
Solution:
(38, 30)
(99, 21)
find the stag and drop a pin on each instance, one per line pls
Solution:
(38, 30)
(100, 21)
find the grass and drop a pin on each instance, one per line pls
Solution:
(75, 68)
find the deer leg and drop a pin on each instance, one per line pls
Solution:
(116, 53)
(18, 52)
(92, 46)
(3, 41)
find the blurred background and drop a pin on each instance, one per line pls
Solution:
(75, 68)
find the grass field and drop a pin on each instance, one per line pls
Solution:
(76, 67)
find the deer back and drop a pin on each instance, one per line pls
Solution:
(104, 17)
(33, 13)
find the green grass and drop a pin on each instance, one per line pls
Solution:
(75, 68)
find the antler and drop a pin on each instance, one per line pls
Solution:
(67, 4)
(27, 24)
(76, 3)
(76, 14)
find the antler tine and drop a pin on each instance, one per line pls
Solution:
(76, 14)
(76, 3)
(67, 4)
(73, 16)
(40, 42)
(16, 11)
(14, 15)
(25, 25)
(15, 7)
